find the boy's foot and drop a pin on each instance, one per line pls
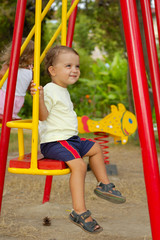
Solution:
(79, 219)
(107, 192)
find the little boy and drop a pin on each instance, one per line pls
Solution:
(59, 138)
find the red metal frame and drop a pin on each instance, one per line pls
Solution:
(143, 111)
(157, 9)
(71, 25)
(47, 189)
(11, 85)
(152, 57)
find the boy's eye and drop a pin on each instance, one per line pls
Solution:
(68, 66)
(77, 66)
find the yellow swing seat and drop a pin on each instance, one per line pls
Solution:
(22, 165)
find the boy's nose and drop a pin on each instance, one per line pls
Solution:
(74, 69)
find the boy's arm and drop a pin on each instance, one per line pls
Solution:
(43, 112)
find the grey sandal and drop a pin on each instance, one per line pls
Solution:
(106, 191)
(79, 220)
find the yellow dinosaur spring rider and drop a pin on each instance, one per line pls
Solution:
(119, 124)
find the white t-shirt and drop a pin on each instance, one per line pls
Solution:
(24, 77)
(61, 123)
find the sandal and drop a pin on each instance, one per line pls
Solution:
(106, 191)
(79, 220)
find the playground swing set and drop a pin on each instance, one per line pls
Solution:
(119, 123)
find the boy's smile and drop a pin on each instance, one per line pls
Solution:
(66, 70)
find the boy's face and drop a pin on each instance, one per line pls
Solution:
(66, 70)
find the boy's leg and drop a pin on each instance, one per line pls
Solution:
(77, 184)
(105, 189)
(96, 162)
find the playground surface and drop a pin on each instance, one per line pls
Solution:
(23, 212)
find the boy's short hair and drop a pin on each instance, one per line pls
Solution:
(54, 52)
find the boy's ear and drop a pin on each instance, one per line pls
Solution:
(52, 71)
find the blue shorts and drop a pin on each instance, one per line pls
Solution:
(66, 150)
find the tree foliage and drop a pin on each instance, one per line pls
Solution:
(7, 15)
(7, 19)
(104, 16)
(97, 23)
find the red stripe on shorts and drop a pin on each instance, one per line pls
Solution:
(91, 140)
(70, 148)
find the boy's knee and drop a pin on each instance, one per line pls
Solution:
(97, 147)
(82, 166)
(78, 165)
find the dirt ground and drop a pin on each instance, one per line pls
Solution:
(23, 212)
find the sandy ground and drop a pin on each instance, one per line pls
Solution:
(23, 212)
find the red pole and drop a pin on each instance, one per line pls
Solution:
(11, 85)
(152, 57)
(70, 33)
(71, 25)
(157, 9)
(47, 189)
(143, 111)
